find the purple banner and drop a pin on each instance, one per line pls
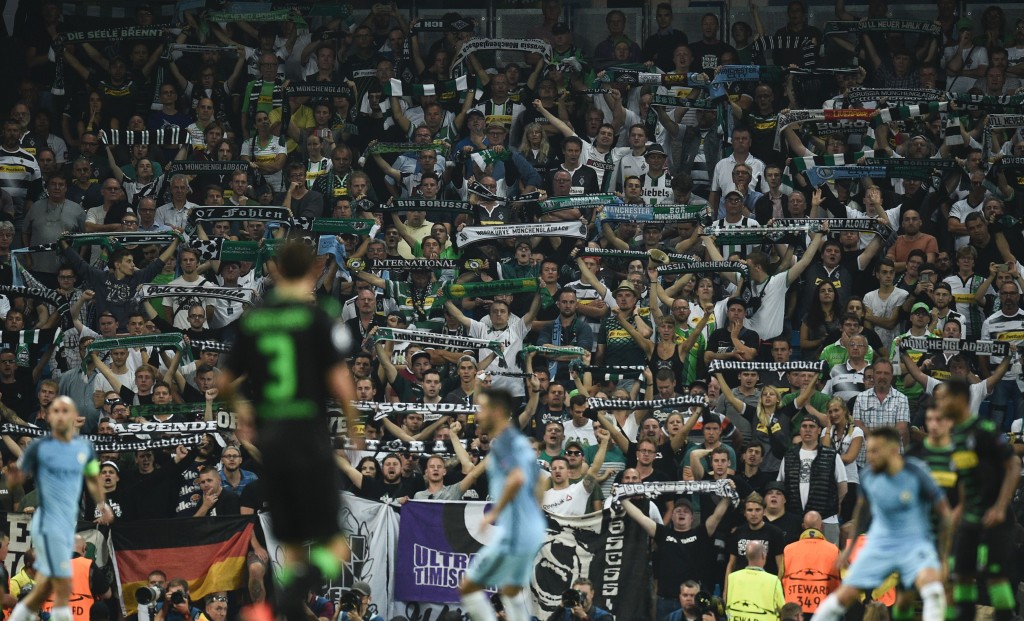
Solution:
(436, 543)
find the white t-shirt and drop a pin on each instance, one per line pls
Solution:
(979, 392)
(767, 321)
(584, 435)
(960, 210)
(883, 308)
(512, 340)
(973, 58)
(569, 502)
(180, 304)
(852, 470)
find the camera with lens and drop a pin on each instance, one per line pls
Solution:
(149, 595)
(25, 590)
(572, 598)
(703, 601)
(349, 601)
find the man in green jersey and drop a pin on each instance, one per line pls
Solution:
(988, 474)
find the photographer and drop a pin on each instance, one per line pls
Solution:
(355, 602)
(578, 604)
(175, 605)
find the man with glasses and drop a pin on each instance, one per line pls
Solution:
(146, 210)
(303, 202)
(232, 476)
(45, 222)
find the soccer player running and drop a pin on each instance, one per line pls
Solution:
(518, 522)
(58, 464)
(293, 354)
(988, 473)
(898, 495)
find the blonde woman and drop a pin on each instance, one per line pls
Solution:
(846, 438)
(769, 420)
(536, 148)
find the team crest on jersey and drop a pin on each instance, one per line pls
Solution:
(81, 458)
(906, 497)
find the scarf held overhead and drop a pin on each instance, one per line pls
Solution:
(476, 234)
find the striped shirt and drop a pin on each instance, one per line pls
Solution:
(1002, 327)
(18, 172)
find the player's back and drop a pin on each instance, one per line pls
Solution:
(286, 348)
(58, 468)
(521, 522)
(978, 459)
(901, 503)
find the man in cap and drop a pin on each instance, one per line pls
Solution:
(964, 62)
(359, 594)
(684, 547)
(810, 564)
(614, 341)
(656, 182)
(775, 511)
(815, 477)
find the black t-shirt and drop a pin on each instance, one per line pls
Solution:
(288, 349)
(20, 395)
(682, 556)
(707, 56)
(665, 463)
(772, 537)
(720, 342)
(227, 504)
(790, 524)
(252, 497)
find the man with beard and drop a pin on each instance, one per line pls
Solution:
(684, 547)
(566, 498)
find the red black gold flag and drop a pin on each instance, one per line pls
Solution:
(209, 552)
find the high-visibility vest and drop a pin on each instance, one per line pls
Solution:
(885, 592)
(81, 599)
(811, 572)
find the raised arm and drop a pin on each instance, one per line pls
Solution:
(650, 526)
(729, 395)
(805, 261)
(553, 120)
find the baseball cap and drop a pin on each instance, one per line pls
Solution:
(560, 28)
(572, 443)
(810, 418)
(419, 354)
(361, 587)
(964, 23)
(777, 486)
(731, 192)
(112, 465)
(654, 149)
(920, 306)
(628, 286)
(474, 111)
(496, 125)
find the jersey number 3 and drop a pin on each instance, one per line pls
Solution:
(280, 351)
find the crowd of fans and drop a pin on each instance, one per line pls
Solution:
(562, 125)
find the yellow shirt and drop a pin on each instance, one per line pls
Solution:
(302, 117)
(754, 595)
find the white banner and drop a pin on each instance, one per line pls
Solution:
(372, 530)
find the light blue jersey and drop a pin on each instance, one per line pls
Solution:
(901, 505)
(509, 558)
(521, 523)
(900, 537)
(58, 468)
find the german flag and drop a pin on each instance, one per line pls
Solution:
(209, 552)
